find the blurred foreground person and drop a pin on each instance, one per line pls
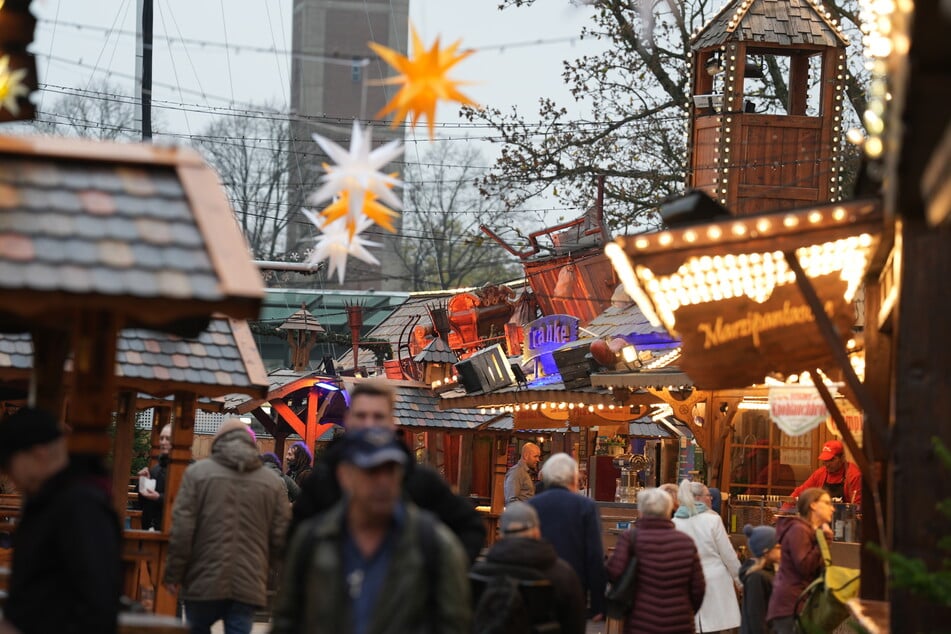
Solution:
(66, 565)
(669, 586)
(571, 522)
(373, 563)
(371, 407)
(228, 526)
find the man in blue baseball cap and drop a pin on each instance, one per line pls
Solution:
(374, 561)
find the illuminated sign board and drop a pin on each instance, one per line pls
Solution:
(546, 334)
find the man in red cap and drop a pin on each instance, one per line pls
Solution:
(841, 478)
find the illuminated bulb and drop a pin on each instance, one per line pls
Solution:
(762, 225)
(814, 217)
(690, 236)
(790, 221)
(665, 239)
(738, 229)
(642, 243)
(714, 233)
(873, 147)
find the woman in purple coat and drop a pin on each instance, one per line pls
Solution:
(669, 587)
(801, 559)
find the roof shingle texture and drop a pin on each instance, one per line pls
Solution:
(785, 22)
(101, 228)
(211, 364)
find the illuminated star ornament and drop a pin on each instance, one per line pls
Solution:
(424, 81)
(335, 244)
(11, 86)
(360, 193)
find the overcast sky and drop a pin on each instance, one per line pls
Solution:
(221, 63)
(236, 53)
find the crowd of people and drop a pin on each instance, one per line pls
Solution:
(367, 541)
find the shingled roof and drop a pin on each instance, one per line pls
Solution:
(436, 351)
(221, 360)
(143, 231)
(784, 22)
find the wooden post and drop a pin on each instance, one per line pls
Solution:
(878, 363)
(47, 388)
(798, 85)
(466, 449)
(122, 452)
(500, 451)
(921, 376)
(93, 388)
(183, 432)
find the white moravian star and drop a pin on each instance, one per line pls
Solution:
(334, 244)
(358, 171)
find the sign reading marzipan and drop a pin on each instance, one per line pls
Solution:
(720, 332)
(797, 409)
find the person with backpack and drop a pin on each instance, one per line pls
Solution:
(757, 574)
(524, 583)
(374, 562)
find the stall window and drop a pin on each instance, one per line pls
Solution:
(764, 460)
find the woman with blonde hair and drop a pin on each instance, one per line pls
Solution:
(721, 567)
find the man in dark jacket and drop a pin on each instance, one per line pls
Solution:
(371, 405)
(572, 524)
(523, 554)
(152, 501)
(66, 564)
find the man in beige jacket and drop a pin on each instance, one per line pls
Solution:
(228, 526)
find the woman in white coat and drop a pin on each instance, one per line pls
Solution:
(721, 567)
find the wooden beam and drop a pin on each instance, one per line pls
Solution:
(315, 410)
(93, 390)
(466, 448)
(122, 449)
(47, 387)
(289, 417)
(500, 467)
(875, 421)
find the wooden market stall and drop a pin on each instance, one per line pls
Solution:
(99, 237)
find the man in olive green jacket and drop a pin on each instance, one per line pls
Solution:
(228, 525)
(373, 564)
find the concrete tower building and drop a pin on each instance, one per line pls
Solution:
(334, 80)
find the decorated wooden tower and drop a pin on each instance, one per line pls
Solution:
(768, 90)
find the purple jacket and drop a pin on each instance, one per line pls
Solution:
(669, 587)
(801, 563)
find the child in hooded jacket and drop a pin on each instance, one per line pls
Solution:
(757, 574)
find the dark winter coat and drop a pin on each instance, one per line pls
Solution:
(757, 588)
(669, 587)
(571, 522)
(67, 574)
(527, 558)
(801, 563)
(153, 510)
(422, 485)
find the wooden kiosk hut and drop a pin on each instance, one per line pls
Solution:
(96, 237)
